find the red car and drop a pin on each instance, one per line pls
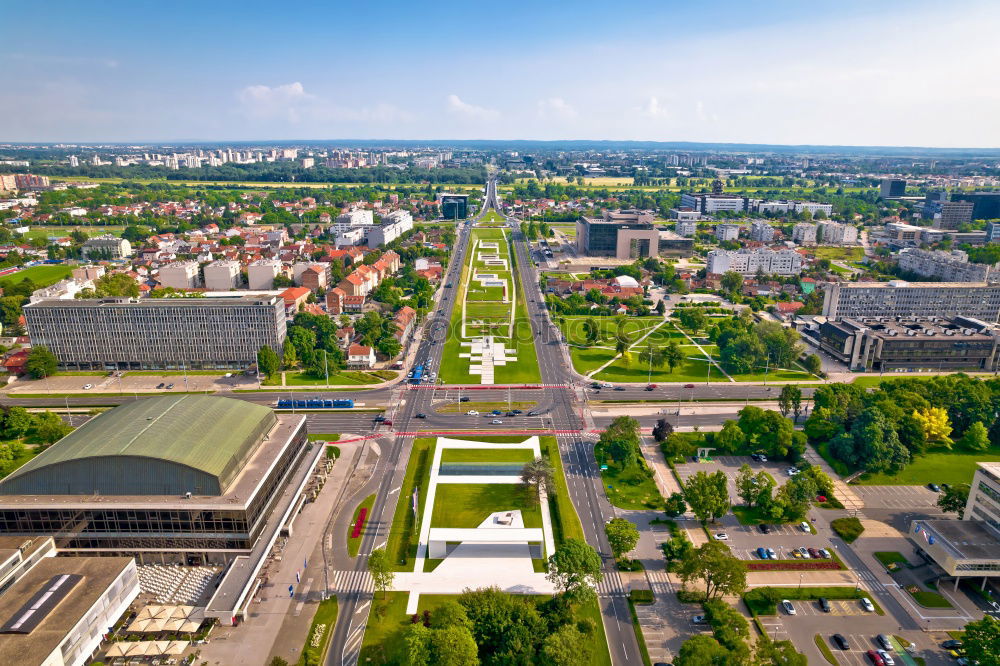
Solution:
(689, 386)
(875, 658)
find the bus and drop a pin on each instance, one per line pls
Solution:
(418, 375)
(316, 403)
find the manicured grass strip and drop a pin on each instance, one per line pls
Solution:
(320, 633)
(172, 373)
(403, 533)
(953, 467)
(927, 598)
(467, 505)
(486, 455)
(637, 628)
(631, 489)
(323, 437)
(849, 528)
(354, 543)
(889, 557)
(824, 649)
(565, 521)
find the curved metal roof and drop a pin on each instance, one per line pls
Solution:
(194, 436)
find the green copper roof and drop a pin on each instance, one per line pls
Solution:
(210, 435)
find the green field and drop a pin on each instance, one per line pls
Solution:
(467, 505)
(850, 253)
(934, 467)
(491, 218)
(573, 328)
(42, 276)
(346, 378)
(486, 455)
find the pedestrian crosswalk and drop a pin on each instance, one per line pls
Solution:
(659, 583)
(352, 582)
(869, 579)
(611, 586)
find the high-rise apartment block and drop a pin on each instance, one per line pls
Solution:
(804, 233)
(727, 232)
(222, 275)
(261, 274)
(899, 298)
(951, 266)
(750, 262)
(180, 275)
(761, 231)
(834, 233)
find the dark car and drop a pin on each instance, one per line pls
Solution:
(764, 528)
(595, 385)
(824, 605)
(841, 642)
(533, 413)
(448, 286)
(884, 641)
(651, 387)
(875, 658)
(951, 644)
(379, 418)
(619, 388)
(160, 385)
(516, 411)
(689, 386)
(170, 386)
(464, 398)
(813, 553)
(420, 415)
(935, 487)
(511, 414)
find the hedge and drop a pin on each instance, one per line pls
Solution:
(849, 528)
(641, 596)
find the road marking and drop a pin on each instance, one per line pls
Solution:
(394, 490)
(362, 607)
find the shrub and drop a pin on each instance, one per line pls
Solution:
(687, 596)
(849, 528)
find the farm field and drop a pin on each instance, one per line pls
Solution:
(248, 183)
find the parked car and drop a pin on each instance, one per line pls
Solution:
(886, 658)
(874, 657)
(824, 604)
(804, 526)
(721, 536)
(787, 606)
(813, 553)
(841, 642)
(867, 604)
(791, 471)
(472, 412)
(951, 644)
(804, 553)
(883, 640)
(758, 457)
(935, 487)
(771, 555)
(699, 619)
(764, 528)
(762, 553)
(796, 554)
(824, 553)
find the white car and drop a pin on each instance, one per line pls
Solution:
(721, 536)
(886, 658)
(87, 387)
(805, 527)
(496, 422)
(472, 412)
(791, 471)
(867, 604)
(787, 605)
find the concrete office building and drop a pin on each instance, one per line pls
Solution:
(727, 232)
(898, 234)
(684, 214)
(106, 247)
(354, 218)
(948, 214)
(950, 266)
(884, 344)
(621, 234)
(892, 188)
(686, 228)
(222, 275)
(750, 262)
(834, 233)
(707, 204)
(804, 233)
(761, 231)
(453, 206)
(967, 548)
(898, 298)
(672, 244)
(261, 274)
(180, 275)
(785, 207)
(153, 334)
(57, 610)
(394, 225)
(985, 205)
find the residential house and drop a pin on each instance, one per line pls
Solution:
(360, 356)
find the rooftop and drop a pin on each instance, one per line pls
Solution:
(964, 539)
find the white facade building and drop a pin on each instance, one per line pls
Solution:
(261, 274)
(750, 262)
(951, 266)
(222, 275)
(804, 233)
(180, 275)
(686, 228)
(761, 231)
(727, 232)
(834, 233)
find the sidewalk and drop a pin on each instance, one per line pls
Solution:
(277, 623)
(851, 500)
(662, 474)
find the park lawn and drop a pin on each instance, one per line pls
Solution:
(525, 370)
(665, 333)
(887, 557)
(41, 276)
(347, 378)
(689, 371)
(572, 327)
(325, 617)
(565, 521)
(754, 516)
(585, 360)
(951, 467)
(162, 373)
(462, 407)
(384, 635)
(467, 505)
(631, 490)
(781, 375)
(43, 233)
(491, 311)
(928, 598)
(491, 217)
(353, 543)
(478, 293)
(487, 455)
(852, 253)
(403, 531)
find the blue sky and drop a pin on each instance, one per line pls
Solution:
(886, 73)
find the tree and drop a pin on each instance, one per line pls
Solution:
(813, 363)
(50, 427)
(746, 485)
(575, 568)
(622, 534)
(380, 569)
(701, 650)
(591, 330)
(692, 319)
(936, 426)
(417, 639)
(731, 282)
(537, 476)
(652, 357)
(662, 430)
(954, 498)
(566, 646)
(707, 495)
(790, 400)
(453, 646)
(16, 423)
(676, 549)
(622, 343)
(672, 355)
(289, 357)
(982, 641)
(267, 361)
(976, 438)
(731, 438)
(714, 565)
(41, 362)
(675, 505)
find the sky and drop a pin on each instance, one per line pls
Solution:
(887, 73)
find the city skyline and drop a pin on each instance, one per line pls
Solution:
(899, 74)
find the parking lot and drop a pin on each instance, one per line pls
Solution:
(897, 497)
(730, 466)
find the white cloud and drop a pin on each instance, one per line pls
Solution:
(556, 107)
(459, 108)
(653, 108)
(291, 102)
(278, 101)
